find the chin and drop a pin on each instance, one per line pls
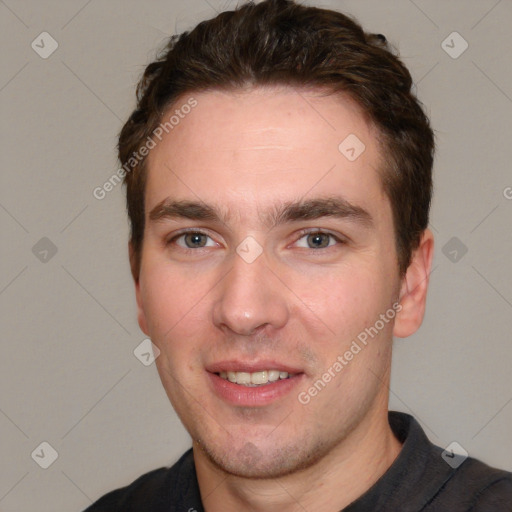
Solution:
(264, 463)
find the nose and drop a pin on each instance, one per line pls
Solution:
(250, 297)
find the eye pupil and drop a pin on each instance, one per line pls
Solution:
(195, 240)
(318, 240)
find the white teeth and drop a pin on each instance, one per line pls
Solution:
(255, 378)
(259, 377)
(273, 375)
(243, 378)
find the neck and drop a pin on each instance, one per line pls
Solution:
(334, 482)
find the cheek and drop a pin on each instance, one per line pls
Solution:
(170, 297)
(346, 301)
(176, 307)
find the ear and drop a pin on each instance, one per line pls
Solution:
(135, 269)
(413, 291)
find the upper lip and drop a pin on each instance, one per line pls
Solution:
(233, 365)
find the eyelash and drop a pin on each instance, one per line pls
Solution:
(301, 235)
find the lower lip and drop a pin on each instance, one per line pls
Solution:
(246, 396)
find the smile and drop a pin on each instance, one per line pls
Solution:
(260, 378)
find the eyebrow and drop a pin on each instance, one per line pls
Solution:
(281, 213)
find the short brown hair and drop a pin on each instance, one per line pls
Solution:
(279, 42)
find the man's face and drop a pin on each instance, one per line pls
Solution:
(256, 292)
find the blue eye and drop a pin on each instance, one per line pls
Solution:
(193, 240)
(318, 240)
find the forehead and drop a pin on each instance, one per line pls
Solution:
(265, 145)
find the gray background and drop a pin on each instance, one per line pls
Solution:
(68, 375)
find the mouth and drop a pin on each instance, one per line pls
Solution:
(254, 379)
(252, 384)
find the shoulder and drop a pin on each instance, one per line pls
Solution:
(156, 490)
(127, 498)
(480, 487)
(431, 479)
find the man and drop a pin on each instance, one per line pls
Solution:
(278, 173)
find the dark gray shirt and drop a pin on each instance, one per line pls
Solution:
(420, 479)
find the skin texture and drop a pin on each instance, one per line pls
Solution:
(244, 154)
